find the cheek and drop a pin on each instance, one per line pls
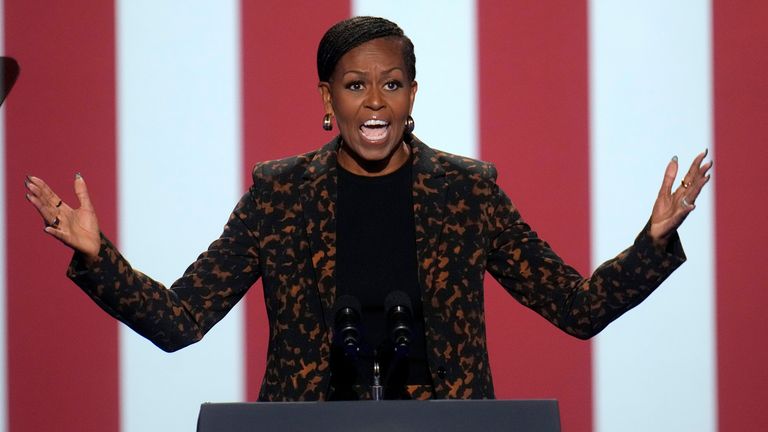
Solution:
(343, 110)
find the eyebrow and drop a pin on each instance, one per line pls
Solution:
(365, 73)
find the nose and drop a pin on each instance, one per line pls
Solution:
(374, 99)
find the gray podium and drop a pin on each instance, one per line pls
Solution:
(384, 416)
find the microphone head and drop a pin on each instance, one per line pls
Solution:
(346, 302)
(400, 321)
(397, 298)
(346, 325)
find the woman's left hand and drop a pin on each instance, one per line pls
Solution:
(671, 208)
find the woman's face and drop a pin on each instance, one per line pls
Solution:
(371, 98)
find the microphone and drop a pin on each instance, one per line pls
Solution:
(346, 328)
(399, 321)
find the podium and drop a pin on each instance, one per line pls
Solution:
(384, 416)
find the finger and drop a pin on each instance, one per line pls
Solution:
(705, 168)
(701, 173)
(32, 188)
(42, 208)
(35, 202)
(699, 180)
(669, 177)
(696, 190)
(35, 187)
(693, 172)
(57, 233)
(687, 210)
(699, 159)
(705, 175)
(43, 201)
(81, 190)
(44, 192)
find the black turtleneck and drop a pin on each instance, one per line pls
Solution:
(375, 255)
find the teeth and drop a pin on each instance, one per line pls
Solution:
(374, 123)
(375, 132)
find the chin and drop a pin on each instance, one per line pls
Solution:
(377, 154)
(370, 151)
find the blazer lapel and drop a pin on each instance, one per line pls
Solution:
(318, 196)
(429, 195)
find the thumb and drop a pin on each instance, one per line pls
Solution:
(81, 190)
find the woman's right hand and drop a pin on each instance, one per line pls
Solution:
(76, 228)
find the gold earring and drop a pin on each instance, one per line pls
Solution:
(327, 125)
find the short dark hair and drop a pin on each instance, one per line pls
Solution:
(350, 33)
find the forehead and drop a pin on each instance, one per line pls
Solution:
(382, 53)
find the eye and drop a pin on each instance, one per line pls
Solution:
(393, 85)
(355, 85)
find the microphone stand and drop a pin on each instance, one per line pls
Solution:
(377, 390)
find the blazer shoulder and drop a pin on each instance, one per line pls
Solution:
(281, 170)
(462, 166)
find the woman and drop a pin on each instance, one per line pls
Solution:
(373, 210)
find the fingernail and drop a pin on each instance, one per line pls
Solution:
(78, 176)
(674, 158)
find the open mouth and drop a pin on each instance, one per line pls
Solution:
(375, 130)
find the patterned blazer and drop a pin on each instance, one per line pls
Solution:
(283, 230)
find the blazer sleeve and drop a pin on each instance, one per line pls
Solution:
(175, 317)
(529, 269)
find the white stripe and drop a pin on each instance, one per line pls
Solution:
(3, 267)
(179, 122)
(650, 88)
(445, 111)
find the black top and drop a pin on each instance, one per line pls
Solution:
(375, 255)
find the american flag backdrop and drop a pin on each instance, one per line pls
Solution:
(164, 106)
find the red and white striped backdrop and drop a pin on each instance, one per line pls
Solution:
(164, 105)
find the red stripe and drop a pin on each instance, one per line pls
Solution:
(282, 112)
(741, 142)
(534, 126)
(62, 350)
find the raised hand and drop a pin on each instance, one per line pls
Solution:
(671, 208)
(76, 228)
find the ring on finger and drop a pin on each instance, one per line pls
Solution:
(684, 203)
(58, 204)
(55, 223)
(685, 184)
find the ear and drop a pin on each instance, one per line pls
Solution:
(414, 88)
(325, 94)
